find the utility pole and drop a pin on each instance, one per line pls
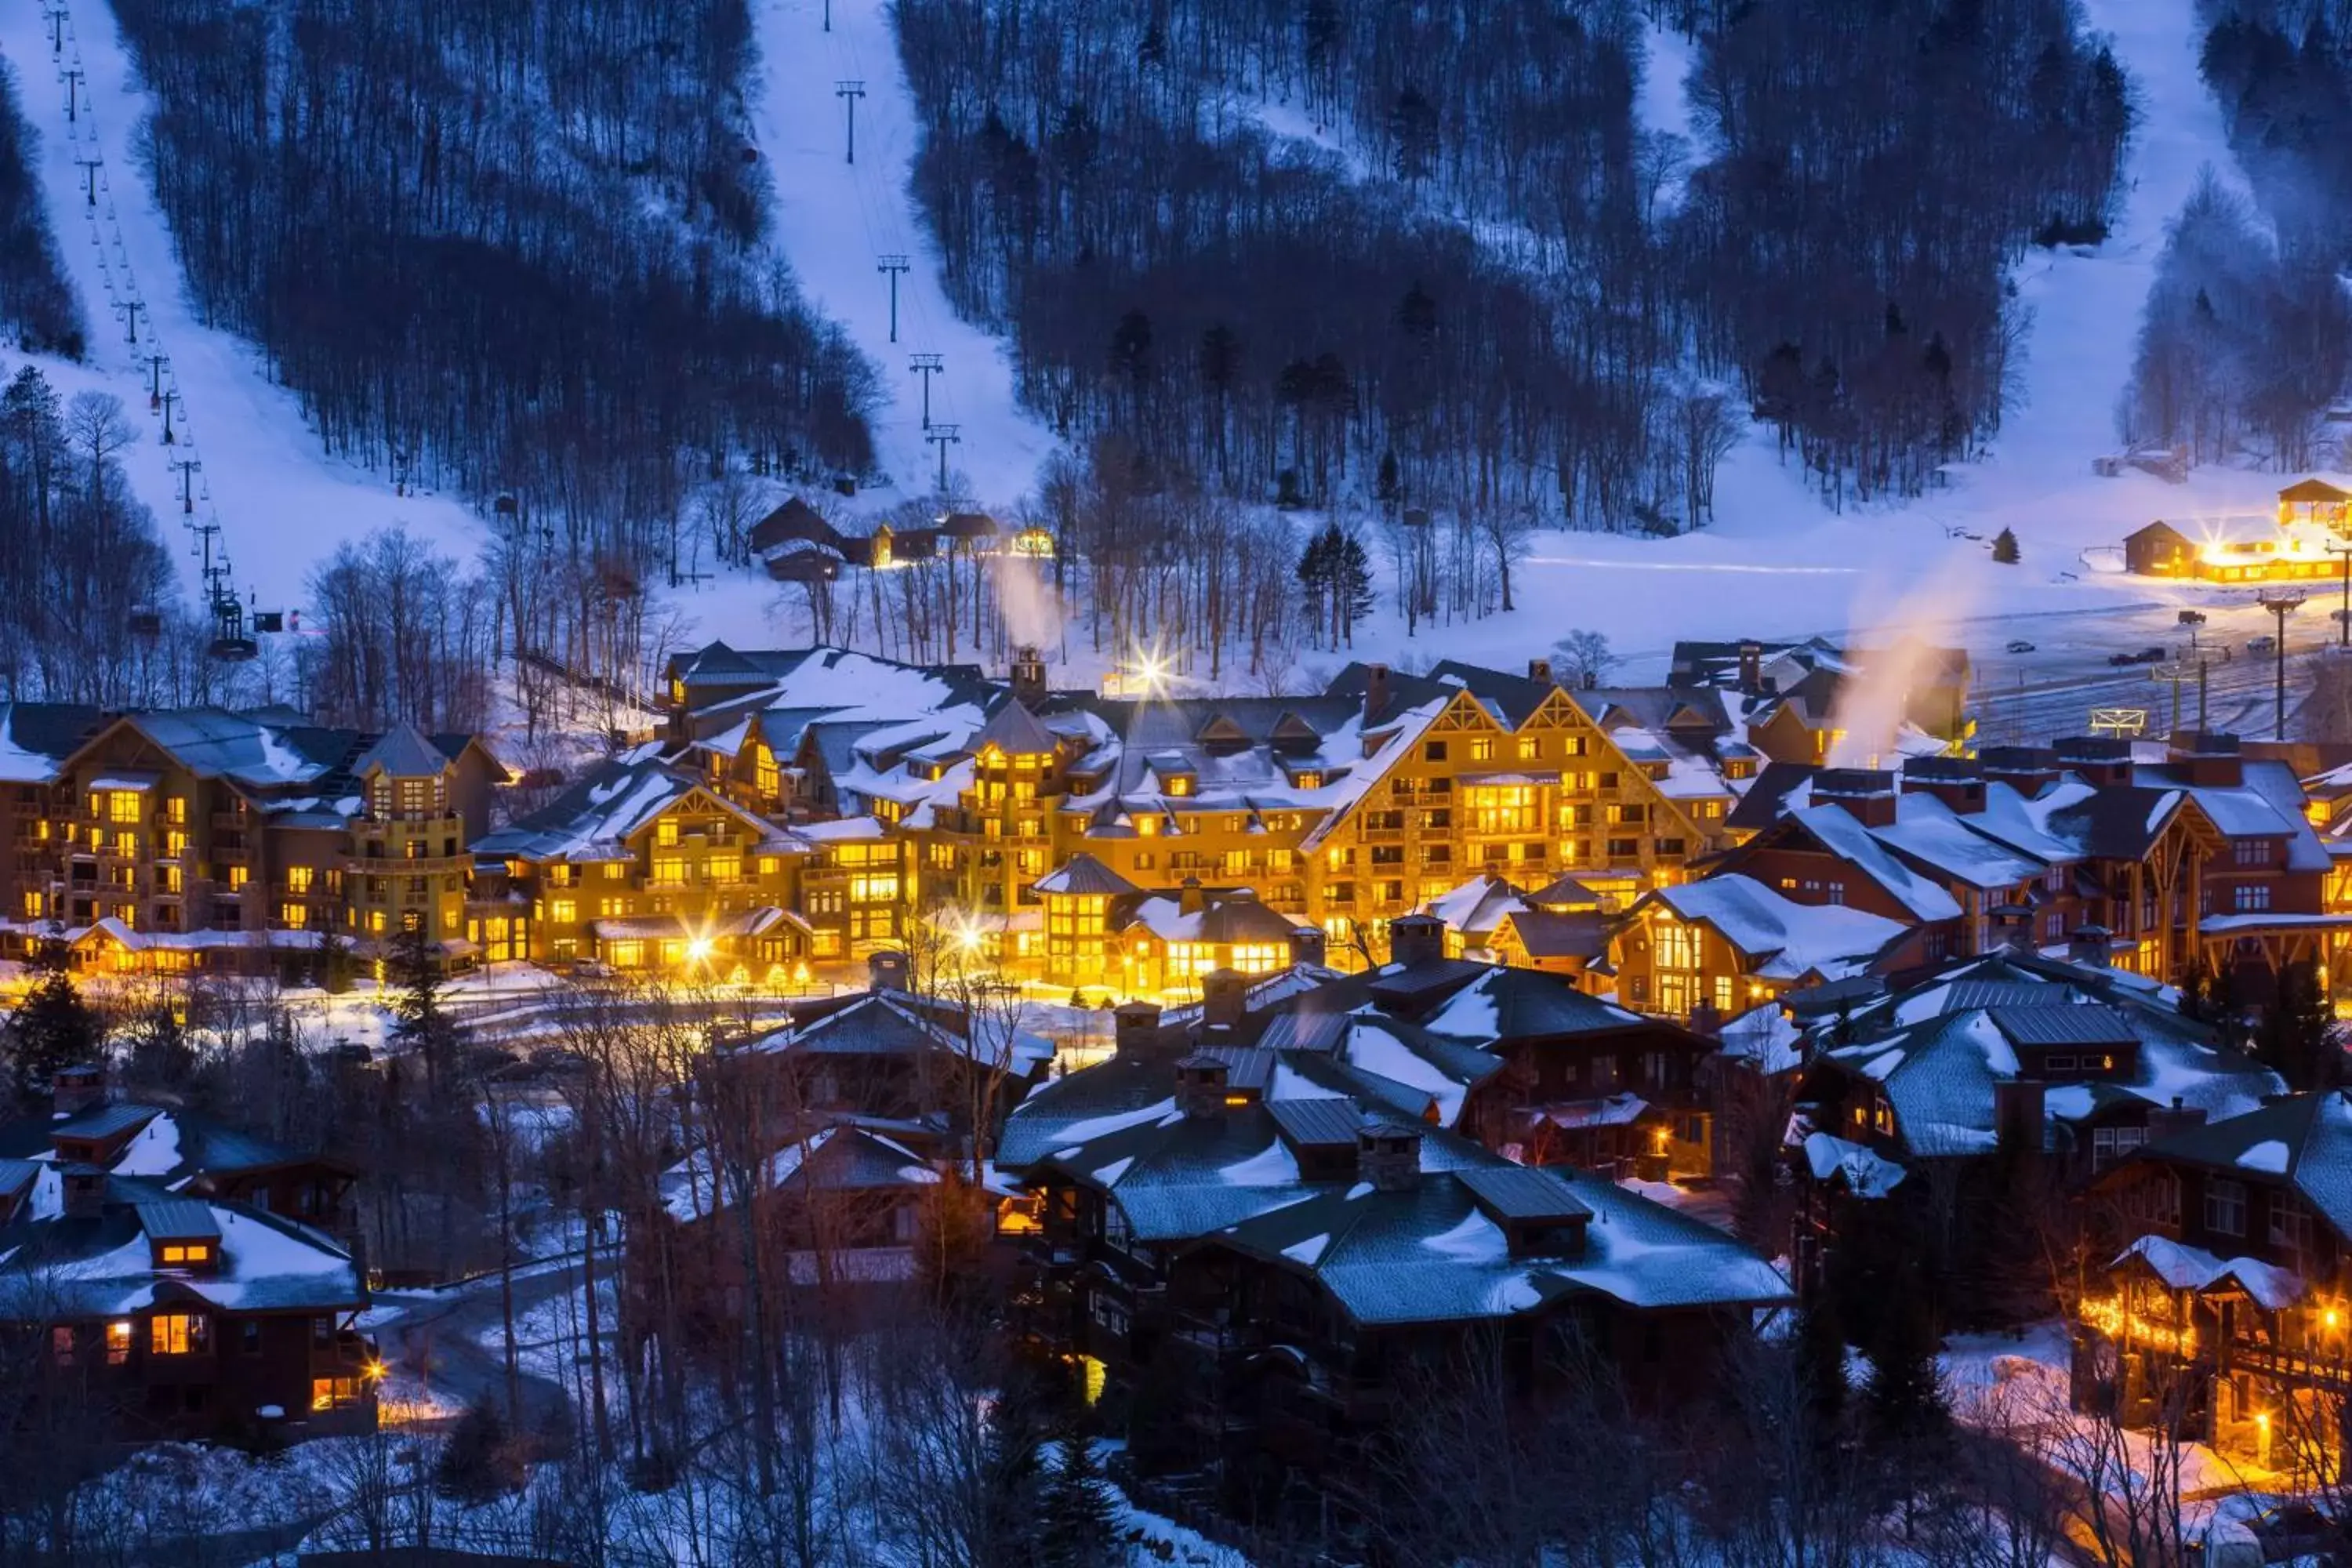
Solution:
(828, 16)
(849, 92)
(155, 363)
(943, 436)
(892, 266)
(927, 366)
(2281, 604)
(73, 98)
(2344, 616)
(90, 168)
(130, 309)
(169, 399)
(188, 467)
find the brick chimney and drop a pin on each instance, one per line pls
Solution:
(1540, 671)
(84, 1191)
(2017, 1114)
(2098, 760)
(1308, 945)
(1200, 1085)
(1957, 782)
(1387, 1155)
(1224, 997)
(2210, 760)
(2091, 945)
(1133, 1027)
(2028, 770)
(77, 1089)
(1751, 668)
(1376, 692)
(1416, 939)
(1867, 795)
(2170, 1121)
(1028, 676)
(1189, 899)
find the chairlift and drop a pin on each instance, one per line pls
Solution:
(146, 621)
(231, 643)
(507, 506)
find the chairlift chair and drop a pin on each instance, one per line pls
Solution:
(146, 621)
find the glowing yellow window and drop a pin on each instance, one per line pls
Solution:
(666, 832)
(117, 1343)
(294, 917)
(626, 954)
(237, 876)
(32, 906)
(185, 1253)
(175, 810)
(177, 1333)
(670, 872)
(298, 878)
(122, 805)
(563, 912)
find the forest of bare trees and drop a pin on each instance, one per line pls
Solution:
(2248, 339)
(501, 248)
(36, 306)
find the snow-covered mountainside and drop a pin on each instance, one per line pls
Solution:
(281, 504)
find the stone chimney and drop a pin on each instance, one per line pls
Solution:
(1540, 671)
(1200, 1085)
(2210, 760)
(1376, 692)
(84, 1190)
(1133, 1027)
(1751, 668)
(2017, 1114)
(886, 970)
(1416, 939)
(77, 1089)
(2011, 926)
(1224, 997)
(2099, 760)
(1957, 782)
(2170, 1121)
(1308, 945)
(1028, 676)
(2028, 770)
(1189, 899)
(1866, 793)
(2091, 945)
(1387, 1155)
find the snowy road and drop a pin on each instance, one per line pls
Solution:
(282, 504)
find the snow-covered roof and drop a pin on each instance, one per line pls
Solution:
(1780, 938)
(102, 1265)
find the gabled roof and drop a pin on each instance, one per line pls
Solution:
(2312, 492)
(2304, 1139)
(104, 1266)
(1431, 1254)
(1015, 731)
(1082, 874)
(1779, 939)
(36, 738)
(401, 752)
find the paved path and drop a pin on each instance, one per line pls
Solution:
(446, 1340)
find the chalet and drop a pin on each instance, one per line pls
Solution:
(1308, 1323)
(2222, 1303)
(172, 1316)
(2293, 546)
(1713, 948)
(1789, 694)
(793, 522)
(2063, 1057)
(2159, 550)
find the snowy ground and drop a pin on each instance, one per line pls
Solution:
(282, 505)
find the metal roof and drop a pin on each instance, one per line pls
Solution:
(1517, 1192)
(2089, 1025)
(1318, 1123)
(178, 1220)
(105, 1120)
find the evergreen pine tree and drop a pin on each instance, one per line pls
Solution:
(1389, 487)
(2298, 1038)
(1079, 1517)
(51, 1029)
(1907, 1407)
(2004, 548)
(418, 1020)
(477, 1465)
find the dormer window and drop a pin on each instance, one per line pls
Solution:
(184, 1255)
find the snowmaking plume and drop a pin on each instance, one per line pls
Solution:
(1027, 603)
(1871, 712)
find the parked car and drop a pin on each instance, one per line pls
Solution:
(2262, 645)
(2018, 645)
(2145, 656)
(2294, 1530)
(592, 969)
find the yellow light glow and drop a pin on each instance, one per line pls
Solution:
(2333, 1319)
(376, 1371)
(2111, 1319)
(698, 950)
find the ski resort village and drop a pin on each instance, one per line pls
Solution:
(1111, 783)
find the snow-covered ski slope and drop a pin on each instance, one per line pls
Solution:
(1777, 562)
(834, 220)
(282, 505)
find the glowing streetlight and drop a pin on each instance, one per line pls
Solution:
(698, 950)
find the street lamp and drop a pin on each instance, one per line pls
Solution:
(2344, 616)
(2281, 604)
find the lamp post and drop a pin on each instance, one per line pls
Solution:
(2344, 616)
(2281, 604)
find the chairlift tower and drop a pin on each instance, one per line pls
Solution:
(2281, 602)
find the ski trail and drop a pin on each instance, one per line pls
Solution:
(282, 505)
(834, 220)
